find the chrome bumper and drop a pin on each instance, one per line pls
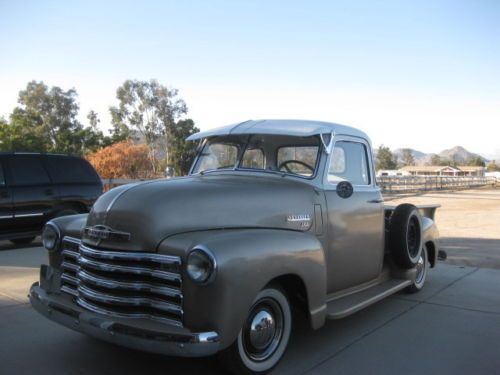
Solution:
(135, 334)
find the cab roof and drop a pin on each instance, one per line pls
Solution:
(299, 128)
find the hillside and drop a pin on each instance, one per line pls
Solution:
(457, 153)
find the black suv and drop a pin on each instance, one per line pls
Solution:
(35, 188)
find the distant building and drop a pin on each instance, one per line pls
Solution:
(438, 170)
(391, 173)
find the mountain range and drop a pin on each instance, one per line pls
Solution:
(458, 153)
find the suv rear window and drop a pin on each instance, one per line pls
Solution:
(28, 170)
(64, 169)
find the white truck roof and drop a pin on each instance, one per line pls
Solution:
(299, 128)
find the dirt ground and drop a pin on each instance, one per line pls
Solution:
(468, 222)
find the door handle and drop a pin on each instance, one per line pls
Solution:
(378, 200)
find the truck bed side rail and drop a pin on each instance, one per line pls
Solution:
(426, 210)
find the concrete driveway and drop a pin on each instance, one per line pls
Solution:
(451, 327)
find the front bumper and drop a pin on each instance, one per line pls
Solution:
(132, 333)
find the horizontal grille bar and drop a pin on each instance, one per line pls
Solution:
(69, 279)
(131, 286)
(140, 257)
(70, 266)
(69, 290)
(147, 271)
(70, 254)
(100, 310)
(128, 301)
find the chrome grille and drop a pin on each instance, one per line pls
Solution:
(123, 284)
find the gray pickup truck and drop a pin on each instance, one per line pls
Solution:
(275, 217)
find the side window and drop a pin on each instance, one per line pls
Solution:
(28, 170)
(349, 162)
(70, 170)
(253, 158)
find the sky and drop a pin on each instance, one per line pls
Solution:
(419, 74)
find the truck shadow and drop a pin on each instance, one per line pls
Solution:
(473, 252)
(307, 347)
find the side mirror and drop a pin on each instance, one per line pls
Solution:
(344, 189)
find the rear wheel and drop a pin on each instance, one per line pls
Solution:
(264, 336)
(421, 272)
(22, 241)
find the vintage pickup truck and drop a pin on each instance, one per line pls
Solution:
(276, 216)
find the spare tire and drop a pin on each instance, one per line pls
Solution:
(405, 236)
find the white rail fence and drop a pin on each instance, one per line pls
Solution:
(414, 184)
(388, 184)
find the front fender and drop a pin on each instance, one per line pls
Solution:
(247, 260)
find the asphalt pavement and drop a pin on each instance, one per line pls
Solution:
(451, 327)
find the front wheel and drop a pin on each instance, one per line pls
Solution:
(421, 273)
(263, 339)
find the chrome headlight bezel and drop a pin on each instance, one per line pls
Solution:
(198, 258)
(51, 237)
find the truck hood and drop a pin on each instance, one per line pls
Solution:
(151, 211)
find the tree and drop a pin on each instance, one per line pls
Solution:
(46, 121)
(181, 153)
(122, 160)
(407, 157)
(23, 133)
(476, 161)
(493, 167)
(437, 160)
(148, 109)
(55, 111)
(93, 118)
(93, 138)
(385, 158)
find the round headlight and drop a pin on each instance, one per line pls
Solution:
(50, 237)
(201, 265)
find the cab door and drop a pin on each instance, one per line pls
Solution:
(6, 214)
(355, 216)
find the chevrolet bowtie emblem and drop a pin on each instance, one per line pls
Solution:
(103, 232)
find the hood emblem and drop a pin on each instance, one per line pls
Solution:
(98, 233)
(303, 221)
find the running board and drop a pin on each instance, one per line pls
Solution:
(344, 306)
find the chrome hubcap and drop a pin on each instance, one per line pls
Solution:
(262, 330)
(420, 269)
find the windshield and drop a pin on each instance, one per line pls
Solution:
(266, 153)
